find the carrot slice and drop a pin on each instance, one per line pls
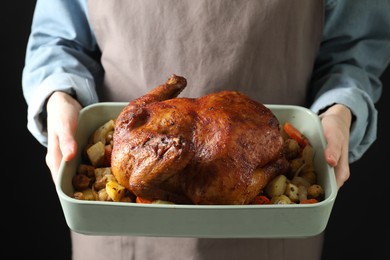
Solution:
(261, 199)
(308, 201)
(142, 200)
(295, 134)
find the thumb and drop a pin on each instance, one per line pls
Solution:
(68, 146)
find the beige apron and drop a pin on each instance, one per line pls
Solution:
(265, 49)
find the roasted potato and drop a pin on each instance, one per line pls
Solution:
(104, 133)
(86, 194)
(315, 191)
(276, 186)
(96, 154)
(281, 199)
(292, 192)
(115, 191)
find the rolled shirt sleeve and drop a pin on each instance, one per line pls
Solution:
(354, 53)
(61, 55)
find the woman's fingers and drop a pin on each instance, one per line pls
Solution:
(336, 122)
(62, 115)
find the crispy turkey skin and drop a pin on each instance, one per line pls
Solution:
(221, 148)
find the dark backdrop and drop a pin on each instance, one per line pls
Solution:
(33, 222)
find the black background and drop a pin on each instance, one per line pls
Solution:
(32, 218)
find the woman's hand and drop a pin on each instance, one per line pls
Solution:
(62, 115)
(336, 122)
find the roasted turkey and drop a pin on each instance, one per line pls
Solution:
(221, 148)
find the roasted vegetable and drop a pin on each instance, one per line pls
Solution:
(87, 194)
(96, 154)
(292, 192)
(104, 133)
(281, 199)
(295, 134)
(315, 191)
(276, 186)
(115, 191)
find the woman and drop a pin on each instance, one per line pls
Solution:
(325, 55)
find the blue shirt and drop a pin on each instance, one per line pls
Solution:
(63, 55)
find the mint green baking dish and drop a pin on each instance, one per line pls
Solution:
(222, 221)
